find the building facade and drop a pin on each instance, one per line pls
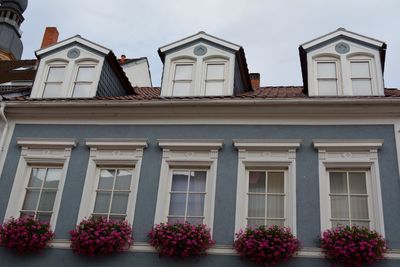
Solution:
(307, 157)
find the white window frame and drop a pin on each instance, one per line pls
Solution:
(183, 61)
(187, 154)
(55, 64)
(44, 152)
(112, 153)
(214, 61)
(350, 154)
(370, 60)
(78, 65)
(266, 154)
(338, 69)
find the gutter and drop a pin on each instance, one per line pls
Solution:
(5, 129)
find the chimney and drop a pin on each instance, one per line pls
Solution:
(255, 80)
(50, 37)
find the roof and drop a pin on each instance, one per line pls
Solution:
(17, 70)
(268, 92)
(130, 60)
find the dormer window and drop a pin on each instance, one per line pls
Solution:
(327, 77)
(361, 77)
(54, 82)
(215, 79)
(183, 80)
(83, 82)
(343, 63)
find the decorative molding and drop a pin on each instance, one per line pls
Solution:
(47, 142)
(191, 144)
(267, 144)
(119, 143)
(347, 144)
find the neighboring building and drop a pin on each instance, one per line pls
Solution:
(137, 70)
(308, 157)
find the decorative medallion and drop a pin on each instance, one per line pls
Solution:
(342, 48)
(73, 53)
(200, 50)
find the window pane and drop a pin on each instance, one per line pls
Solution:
(47, 200)
(276, 182)
(276, 222)
(215, 71)
(359, 207)
(102, 202)
(31, 199)
(362, 87)
(338, 182)
(360, 223)
(53, 178)
(117, 217)
(275, 206)
(182, 89)
(327, 87)
(340, 207)
(177, 204)
(256, 206)
(176, 220)
(214, 87)
(27, 214)
(180, 181)
(123, 181)
(195, 220)
(357, 183)
(56, 74)
(360, 70)
(37, 177)
(255, 222)
(340, 223)
(120, 202)
(82, 90)
(53, 90)
(85, 74)
(198, 181)
(195, 205)
(183, 72)
(326, 70)
(257, 182)
(106, 179)
(45, 217)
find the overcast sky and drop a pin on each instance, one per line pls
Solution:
(269, 31)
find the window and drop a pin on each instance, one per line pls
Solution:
(327, 78)
(112, 194)
(361, 77)
(214, 83)
(266, 183)
(54, 82)
(83, 81)
(349, 182)
(40, 177)
(187, 195)
(112, 178)
(41, 192)
(186, 189)
(266, 198)
(348, 198)
(182, 83)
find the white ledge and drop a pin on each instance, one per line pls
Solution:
(47, 142)
(305, 252)
(190, 144)
(348, 144)
(267, 144)
(119, 143)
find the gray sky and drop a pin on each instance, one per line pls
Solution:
(270, 31)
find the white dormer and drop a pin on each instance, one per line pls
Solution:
(203, 65)
(70, 68)
(343, 63)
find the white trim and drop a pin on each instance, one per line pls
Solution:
(47, 152)
(180, 154)
(305, 252)
(266, 153)
(114, 153)
(350, 153)
(197, 36)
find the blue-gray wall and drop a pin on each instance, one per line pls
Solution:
(308, 218)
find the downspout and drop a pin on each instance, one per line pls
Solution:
(5, 130)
